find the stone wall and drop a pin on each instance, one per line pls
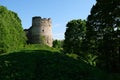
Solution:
(40, 32)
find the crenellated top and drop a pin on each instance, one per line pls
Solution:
(37, 21)
(38, 18)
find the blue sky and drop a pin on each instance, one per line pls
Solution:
(60, 11)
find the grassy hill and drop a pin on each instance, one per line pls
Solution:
(45, 64)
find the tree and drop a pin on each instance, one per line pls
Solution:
(103, 33)
(12, 35)
(74, 36)
(58, 43)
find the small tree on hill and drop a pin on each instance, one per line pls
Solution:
(58, 43)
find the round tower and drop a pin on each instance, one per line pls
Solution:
(41, 31)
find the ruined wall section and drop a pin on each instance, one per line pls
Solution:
(40, 31)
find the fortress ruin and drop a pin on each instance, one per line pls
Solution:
(40, 32)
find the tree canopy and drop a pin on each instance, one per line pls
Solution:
(74, 35)
(103, 33)
(12, 35)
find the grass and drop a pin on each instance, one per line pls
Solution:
(44, 63)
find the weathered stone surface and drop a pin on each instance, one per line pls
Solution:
(40, 32)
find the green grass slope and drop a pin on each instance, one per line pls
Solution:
(45, 64)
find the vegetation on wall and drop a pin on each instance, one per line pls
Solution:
(12, 36)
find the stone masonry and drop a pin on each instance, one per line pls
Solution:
(40, 32)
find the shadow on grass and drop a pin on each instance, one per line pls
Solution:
(45, 65)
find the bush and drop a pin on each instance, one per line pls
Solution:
(12, 36)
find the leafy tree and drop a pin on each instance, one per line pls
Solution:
(74, 36)
(58, 43)
(103, 33)
(12, 35)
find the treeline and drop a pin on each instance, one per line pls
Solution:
(12, 36)
(97, 40)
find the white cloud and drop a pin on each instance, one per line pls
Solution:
(57, 25)
(58, 31)
(58, 36)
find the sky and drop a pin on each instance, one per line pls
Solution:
(60, 11)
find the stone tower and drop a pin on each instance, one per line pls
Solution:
(40, 32)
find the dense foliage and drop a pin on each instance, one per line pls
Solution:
(57, 43)
(12, 35)
(98, 38)
(74, 36)
(103, 34)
